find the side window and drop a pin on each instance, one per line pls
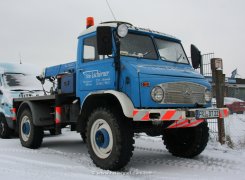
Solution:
(90, 49)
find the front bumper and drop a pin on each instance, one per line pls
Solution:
(180, 117)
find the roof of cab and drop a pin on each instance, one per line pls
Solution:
(130, 27)
(18, 68)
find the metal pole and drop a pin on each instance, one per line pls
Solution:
(201, 65)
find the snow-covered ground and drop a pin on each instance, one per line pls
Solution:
(65, 157)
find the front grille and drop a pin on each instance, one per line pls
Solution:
(183, 93)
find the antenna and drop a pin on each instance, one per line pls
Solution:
(20, 58)
(111, 10)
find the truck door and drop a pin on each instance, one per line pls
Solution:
(94, 72)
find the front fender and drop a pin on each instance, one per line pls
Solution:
(125, 102)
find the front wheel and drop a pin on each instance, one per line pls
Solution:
(31, 136)
(186, 142)
(109, 139)
(5, 131)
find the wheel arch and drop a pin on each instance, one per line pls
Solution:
(2, 114)
(112, 96)
(7, 119)
(109, 98)
(40, 113)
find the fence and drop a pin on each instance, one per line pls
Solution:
(206, 71)
(206, 65)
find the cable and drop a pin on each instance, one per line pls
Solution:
(111, 10)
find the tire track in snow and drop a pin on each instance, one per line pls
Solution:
(201, 162)
(82, 159)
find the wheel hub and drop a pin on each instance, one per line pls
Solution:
(102, 138)
(26, 128)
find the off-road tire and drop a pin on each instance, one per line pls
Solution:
(122, 134)
(83, 136)
(52, 132)
(5, 131)
(35, 138)
(186, 142)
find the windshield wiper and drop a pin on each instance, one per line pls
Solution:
(179, 58)
(35, 90)
(163, 58)
(18, 90)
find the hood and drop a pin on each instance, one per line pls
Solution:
(168, 71)
(161, 68)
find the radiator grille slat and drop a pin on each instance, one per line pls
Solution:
(183, 93)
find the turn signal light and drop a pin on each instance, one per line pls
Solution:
(145, 84)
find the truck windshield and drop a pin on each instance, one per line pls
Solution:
(17, 81)
(171, 51)
(136, 45)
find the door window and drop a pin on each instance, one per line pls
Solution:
(90, 49)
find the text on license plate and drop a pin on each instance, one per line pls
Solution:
(207, 113)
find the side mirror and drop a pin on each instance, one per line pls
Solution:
(104, 40)
(195, 57)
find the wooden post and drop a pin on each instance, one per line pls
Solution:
(219, 81)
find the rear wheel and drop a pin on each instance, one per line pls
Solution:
(186, 142)
(109, 139)
(31, 136)
(5, 131)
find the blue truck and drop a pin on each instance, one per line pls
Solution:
(125, 80)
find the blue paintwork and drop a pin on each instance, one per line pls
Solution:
(100, 75)
(155, 72)
(102, 138)
(60, 69)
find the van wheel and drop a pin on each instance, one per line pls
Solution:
(83, 136)
(186, 142)
(31, 136)
(52, 132)
(5, 131)
(109, 139)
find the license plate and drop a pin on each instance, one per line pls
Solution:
(207, 113)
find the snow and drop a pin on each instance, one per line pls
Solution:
(235, 131)
(20, 76)
(65, 157)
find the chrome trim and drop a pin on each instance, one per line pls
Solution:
(183, 93)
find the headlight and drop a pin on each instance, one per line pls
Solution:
(208, 96)
(122, 30)
(157, 94)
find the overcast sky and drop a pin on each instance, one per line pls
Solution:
(45, 32)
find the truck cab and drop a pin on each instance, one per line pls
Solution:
(125, 80)
(154, 70)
